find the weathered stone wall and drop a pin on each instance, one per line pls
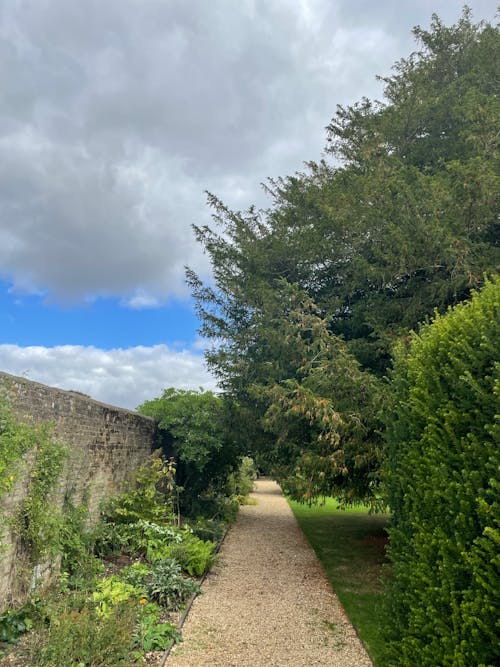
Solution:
(105, 444)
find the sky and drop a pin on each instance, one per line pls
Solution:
(116, 117)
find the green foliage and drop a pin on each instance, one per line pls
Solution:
(241, 481)
(139, 521)
(13, 624)
(151, 635)
(15, 440)
(227, 509)
(168, 586)
(77, 621)
(112, 591)
(136, 575)
(41, 530)
(442, 481)
(194, 555)
(45, 534)
(195, 431)
(148, 496)
(142, 538)
(402, 222)
(324, 419)
(158, 636)
(76, 635)
(161, 582)
(208, 530)
(77, 543)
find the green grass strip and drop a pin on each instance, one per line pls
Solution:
(350, 545)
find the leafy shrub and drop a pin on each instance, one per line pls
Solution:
(141, 518)
(229, 509)
(148, 496)
(15, 440)
(158, 636)
(76, 631)
(246, 476)
(194, 555)
(194, 428)
(112, 591)
(142, 538)
(168, 586)
(151, 635)
(135, 575)
(208, 529)
(41, 530)
(241, 481)
(79, 562)
(443, 460)
(76, 635)
(13, 624)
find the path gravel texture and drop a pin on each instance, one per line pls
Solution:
(267, 602)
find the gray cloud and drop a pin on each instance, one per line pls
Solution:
(123, 377)
(116, 116)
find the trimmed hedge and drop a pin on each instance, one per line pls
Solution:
(443, 435)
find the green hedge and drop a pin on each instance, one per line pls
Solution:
(443, 436)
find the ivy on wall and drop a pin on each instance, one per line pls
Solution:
(30, 451)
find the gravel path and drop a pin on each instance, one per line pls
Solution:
(267, 602)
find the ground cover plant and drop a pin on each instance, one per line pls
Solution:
(350, 543)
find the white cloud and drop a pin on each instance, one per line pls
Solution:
(141, 299)
(122, 377)
(115, 117)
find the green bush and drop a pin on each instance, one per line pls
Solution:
(79, 565)
(151, 634)
(15, 440)
(140, 519)
(136, 575)
(229, 509)
(208, 530)
(168, 586)
(75, 635)
(194, 555)
(143, 538)
(162, 583)
(148, 496)
(39, 530)
(13, 624)
(193, 426)
(442, 479)
(241, 482)
(112, 591)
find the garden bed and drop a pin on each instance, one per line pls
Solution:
(123, 588)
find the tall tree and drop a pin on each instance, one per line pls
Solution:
(194, 430)
(402, 222)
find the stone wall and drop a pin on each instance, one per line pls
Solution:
(105, 445)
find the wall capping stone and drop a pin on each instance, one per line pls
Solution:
(69, 392)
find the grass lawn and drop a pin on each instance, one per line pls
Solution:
(350, 545)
